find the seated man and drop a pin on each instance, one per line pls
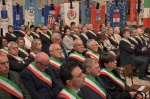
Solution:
(56, 61)
(37, 78)
(11, 86)
(95, 88)
(92, 51)
(16, 63)
(77, 54)
(73, 79)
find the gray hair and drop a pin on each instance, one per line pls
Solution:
(76, 41)
(88, 63)
(52, 46)
(89, 43)
(54, 35)
(11, 43)
(116, 28)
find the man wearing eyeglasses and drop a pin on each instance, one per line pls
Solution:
(38, 78)
(11, 86)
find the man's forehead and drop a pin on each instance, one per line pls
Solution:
(76, 71)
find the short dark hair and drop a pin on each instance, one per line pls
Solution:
(66, 69)
(1, 40)
(105, 58)
(36, 28)
(101, 36)
(32, 26)
(66, 28)
(124, 31)
(146, 30)
(10, 26)
(72, 23)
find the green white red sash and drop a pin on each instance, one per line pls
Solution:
(22, 32)
(23, 51)
(4, 50)
(36, 34)
(95, 86)
(101, 46)
(41, 75)
(68, 94)
(76, 36)
(54, 62)
(145, 38)
(139, 38)
(112, 38)
(126, 40)
(116, 37)
(46, 35)
(12, 35)
(93, 54)
(29, 38)
(77, 56)
(113, 77)
(17, 58)
(92, 32)
(107, 42)
(133, 39)
(32, 54)
(10, 87)
(69, 39)
(63, 54)
(50, 32)
(85, 36)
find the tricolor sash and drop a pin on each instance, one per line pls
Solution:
(69, 39)
(133, 39)
(77, 56)
(93, 54)
(23, 51)
(126, 40)
(29, 38)
(76, 36)
(63, 54)
(50, 32)
(17, 58)
(12, 35)
(68, 94)
(22, 32)
(107, 42)
(139, 38)
(36, 34)
(46, 35)
(116, 37)
(41, 75)
(85, 36)
(112, 38)
(56, 63)
(145, 38)
(91, 32)
(95, 86)
(10, 87)
(32, 54)
(101, 46)
(113, 77)
(4, 50)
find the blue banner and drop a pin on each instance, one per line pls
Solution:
(17, 17)
(39, 19)
(116, 16)
(85, 12)
(46, 13)
(28, 4)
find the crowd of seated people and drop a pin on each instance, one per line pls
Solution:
(74, 63)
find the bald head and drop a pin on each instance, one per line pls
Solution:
(42, 57)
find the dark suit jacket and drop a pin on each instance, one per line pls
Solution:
(91, 36)
(10, 38)
(114, 89)
(92, 94)
(45, 43)
(37, 88)
(14, 77)
(126, 54)
(18, 66)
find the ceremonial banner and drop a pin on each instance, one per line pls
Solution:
(71, 15)
(6, 14)
(86, 12)
(97, 17)
(51, 14)
(116, 15)
(30, 6)
(17, 16)
(39, 19)
(132, 10)
(147, 13)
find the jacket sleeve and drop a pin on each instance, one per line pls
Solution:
(29, 83)
(112, 90)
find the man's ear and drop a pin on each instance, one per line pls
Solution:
(69, 82)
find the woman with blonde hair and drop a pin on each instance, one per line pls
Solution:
(36, 47)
